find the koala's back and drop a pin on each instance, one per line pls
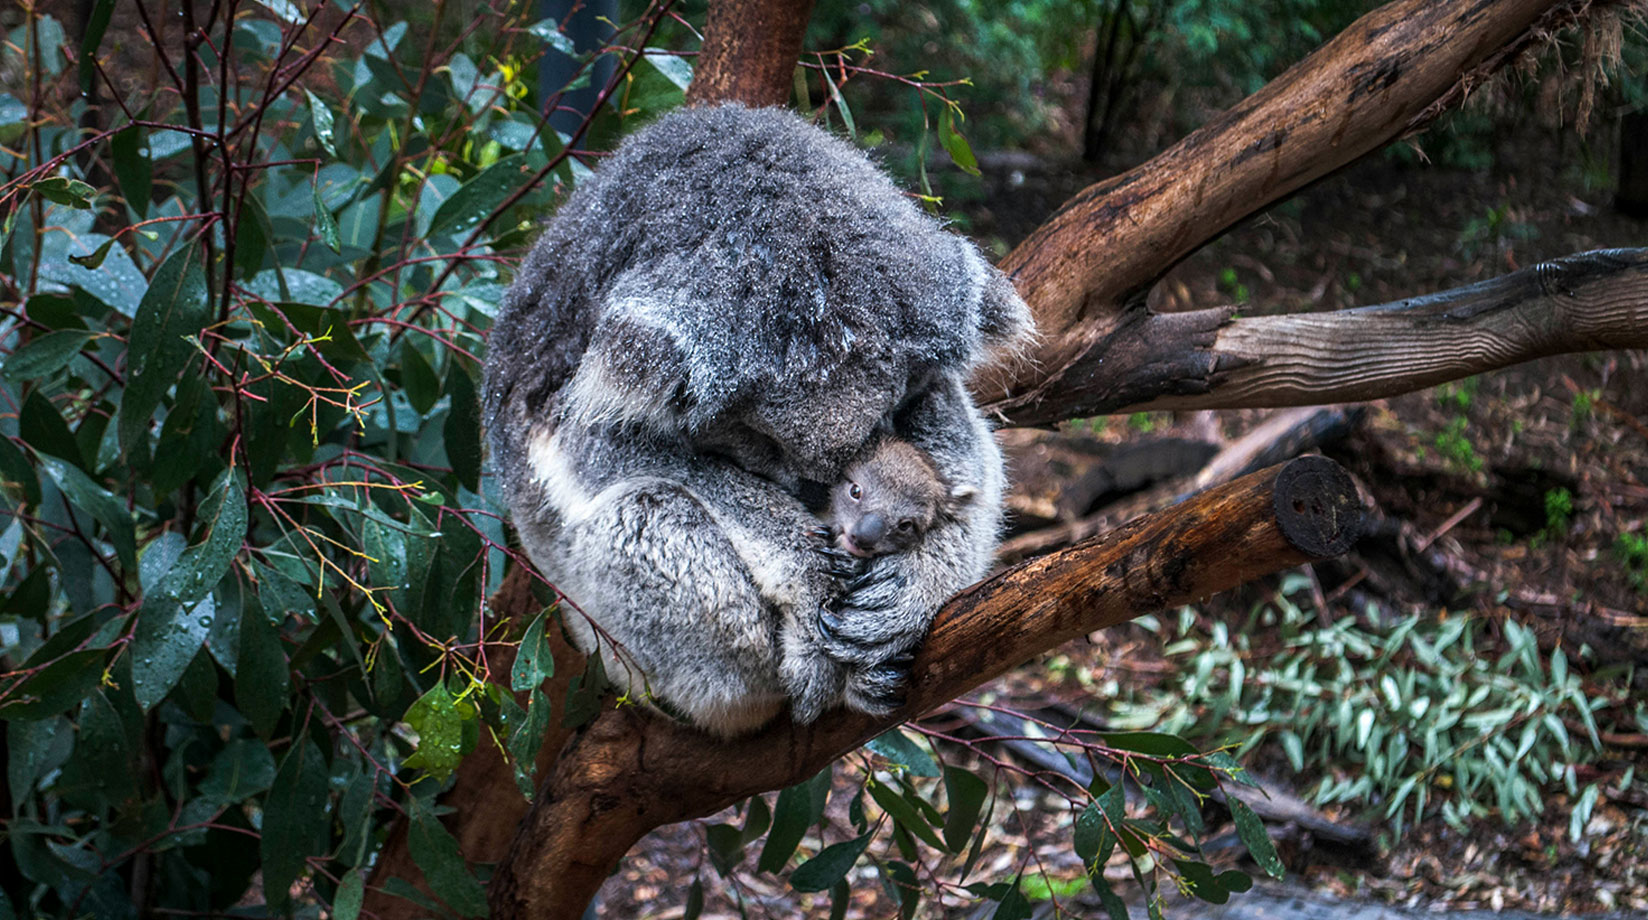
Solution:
(781, 249)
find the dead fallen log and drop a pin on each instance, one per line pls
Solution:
(630, 770)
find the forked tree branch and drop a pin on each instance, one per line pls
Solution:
(632, 770)
(1084, 271)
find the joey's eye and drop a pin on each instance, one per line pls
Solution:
(906, 525)
(855, 491)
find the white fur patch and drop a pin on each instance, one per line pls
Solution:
(555, 475)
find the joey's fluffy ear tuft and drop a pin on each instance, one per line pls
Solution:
(632, 371)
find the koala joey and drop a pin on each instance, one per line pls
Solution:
(888, 499)
(713, 326)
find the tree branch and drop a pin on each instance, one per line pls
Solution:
(1083, 272)
(750, 52)
(632, 770)
(1204, 359)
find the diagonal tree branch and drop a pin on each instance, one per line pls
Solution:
(1084, 271)
(631, 770)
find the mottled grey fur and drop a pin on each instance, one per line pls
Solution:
(889, 498)
(711, 328)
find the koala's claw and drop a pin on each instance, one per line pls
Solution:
(829, 625)
(821, 533)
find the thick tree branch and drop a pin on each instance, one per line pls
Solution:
(1369, 85)
(631, 770)
(1204, 359)
(750, 52)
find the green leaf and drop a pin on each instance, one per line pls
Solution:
(475, 199)
(829, 866)
(526, 736)
(100, 774)
(418, 378)
(325, 224)
(42, 427)
(672, 67)
(261, 674)
(965, 793)
(439, 719)
(243, 768)
(436, 853)
(97, 501)
(726, 847)
(695, 900)
(1156, 744)
(96, 24)
(133, 170)
(46, 354)
(167, 638)
(1114, 907)
(346, 904)
(56, 687)
(902, 750)
(35, 748)
(548, 31)
(791, 818)
(1094, 841)
(174, 306)
(961, 152)
(295, 821)
(1013, 906)
(534, 660)
(15, 470)
(96, 257)
(1254, 837)
(904, 813)
(322, 118)
(223, 519)
(463, 427)
(62, 190)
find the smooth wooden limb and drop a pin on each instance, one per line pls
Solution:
(1589, 301)
(632, 771)
(1082, 270)
(750, 52)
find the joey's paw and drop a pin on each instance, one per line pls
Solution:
(860, 638)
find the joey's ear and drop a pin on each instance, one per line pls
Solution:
(962, 495)
(632, 371)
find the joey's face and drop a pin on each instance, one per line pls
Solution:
(876, 514)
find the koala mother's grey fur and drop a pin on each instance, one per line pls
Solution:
(711, 327)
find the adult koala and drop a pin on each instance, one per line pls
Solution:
(709, 330)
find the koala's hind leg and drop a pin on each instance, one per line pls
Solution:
(681, 615)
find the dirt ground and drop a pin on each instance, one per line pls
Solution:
(1470, 466)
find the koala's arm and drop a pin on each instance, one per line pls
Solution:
(874, 629)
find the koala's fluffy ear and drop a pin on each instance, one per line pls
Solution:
(1003, 316)
(633, 370)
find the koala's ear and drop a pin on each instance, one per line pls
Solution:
(631, 371)
(1004, 319)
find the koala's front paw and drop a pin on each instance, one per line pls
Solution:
(866, 627)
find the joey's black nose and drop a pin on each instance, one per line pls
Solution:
(869, 530)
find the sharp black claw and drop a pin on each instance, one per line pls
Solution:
(903, 660)
(829, 624)
(821, 533)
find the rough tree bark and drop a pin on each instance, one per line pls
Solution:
(1084, 274)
